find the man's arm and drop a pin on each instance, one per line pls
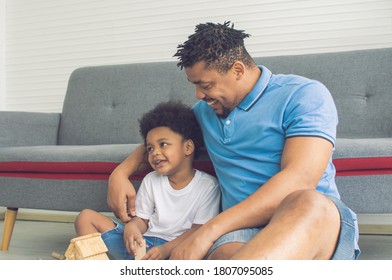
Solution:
(121, 192)
(304, 160)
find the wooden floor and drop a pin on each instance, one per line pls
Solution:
(35, 240)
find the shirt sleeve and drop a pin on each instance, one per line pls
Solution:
(144, 200)
(311, 111)
(210, 203)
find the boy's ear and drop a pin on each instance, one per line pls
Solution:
(189, 147)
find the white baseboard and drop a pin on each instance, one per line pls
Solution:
(375, 223)
(46, 215)
(368, 223)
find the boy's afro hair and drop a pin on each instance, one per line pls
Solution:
(175, 115)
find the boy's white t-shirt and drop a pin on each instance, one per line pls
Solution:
(172, 212)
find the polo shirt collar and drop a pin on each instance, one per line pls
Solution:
(257, 90)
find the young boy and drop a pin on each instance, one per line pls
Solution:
(173, 200)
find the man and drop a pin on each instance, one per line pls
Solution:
(270, 138)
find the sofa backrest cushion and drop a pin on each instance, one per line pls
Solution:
(103, 103)
(359, 81)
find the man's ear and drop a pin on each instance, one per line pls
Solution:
(238, 69)
(189, 147)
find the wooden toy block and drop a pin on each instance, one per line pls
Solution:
(140, 250)
(58, 256)
(87, 247)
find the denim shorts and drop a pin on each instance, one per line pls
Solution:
(346, 248)
(114, 241)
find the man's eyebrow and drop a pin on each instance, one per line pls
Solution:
(197, 82)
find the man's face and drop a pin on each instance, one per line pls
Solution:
(220, 91)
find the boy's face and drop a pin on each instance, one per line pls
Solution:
(220, 91)
(167, 151)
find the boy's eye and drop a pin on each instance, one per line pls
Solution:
(163, 144)
(149, 149)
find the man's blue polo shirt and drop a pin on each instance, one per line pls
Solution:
(246, 147)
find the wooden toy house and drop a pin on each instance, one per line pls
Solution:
(87, 247)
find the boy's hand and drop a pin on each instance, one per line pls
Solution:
(131, 234)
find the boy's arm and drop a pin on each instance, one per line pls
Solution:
(121, 192)
(133, 231)
(164, 251)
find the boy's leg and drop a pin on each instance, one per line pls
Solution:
(114, 240)
(89, 221)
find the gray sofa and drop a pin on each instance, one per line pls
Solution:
(61, 161)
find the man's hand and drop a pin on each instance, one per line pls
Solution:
(121, 192)
(194, 247)
(121, 197)
(157, 253)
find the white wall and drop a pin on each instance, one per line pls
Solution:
(46, 40)
(2, 55)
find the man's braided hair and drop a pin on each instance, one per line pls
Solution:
(218, 45)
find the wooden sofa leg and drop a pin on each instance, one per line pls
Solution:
(9, 222)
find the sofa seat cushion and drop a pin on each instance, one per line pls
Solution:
(89, 162)
(370, 156)
(63, 162)
(352, 157)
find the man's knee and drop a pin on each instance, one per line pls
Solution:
(308, 200)
(309, 207)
